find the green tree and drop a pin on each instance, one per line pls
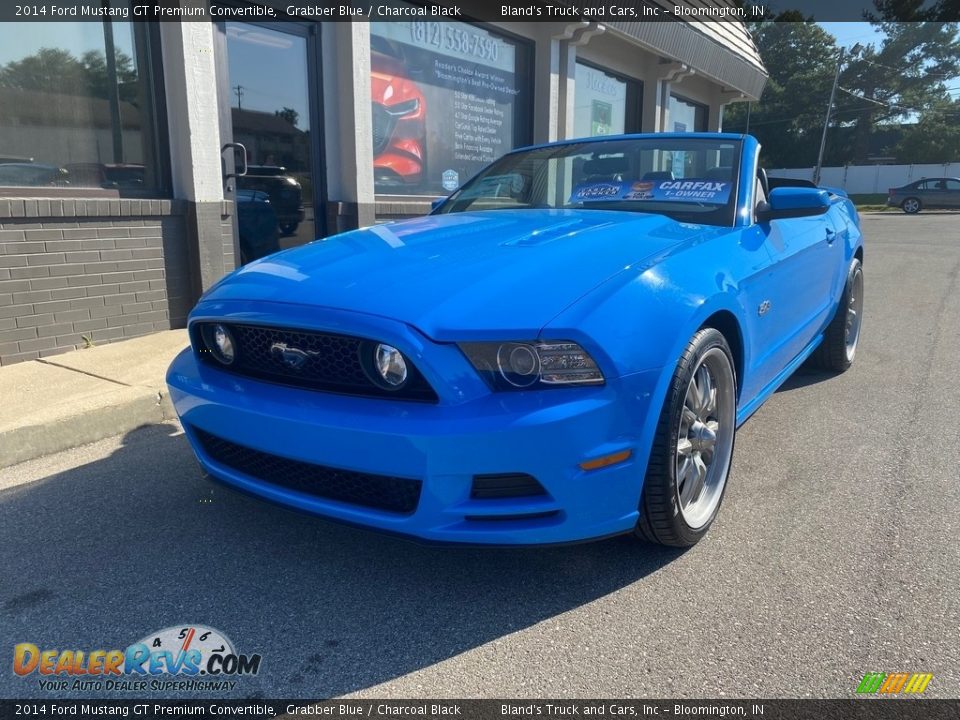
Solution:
(95, 67)
(914, 11)
(57, 71)
(288, 114)
(801, 59)
(902, 76)
(49, 69)
(935, 138)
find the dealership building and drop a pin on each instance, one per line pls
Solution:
(122, 143)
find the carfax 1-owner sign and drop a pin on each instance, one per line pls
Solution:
(692, 190)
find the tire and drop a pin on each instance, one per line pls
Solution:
(673, 512)
(842, 336)
(911, 206)
(289, 229)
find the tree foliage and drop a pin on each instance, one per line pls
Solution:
(54, 70)
(801, 58)
(901, 79)
(288, 114)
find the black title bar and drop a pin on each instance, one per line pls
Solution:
(878, 708)
(485, 10)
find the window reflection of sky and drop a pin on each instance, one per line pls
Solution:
(271, 68)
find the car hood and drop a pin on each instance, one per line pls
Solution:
(477, 275)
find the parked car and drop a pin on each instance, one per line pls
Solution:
(399, 119)
(285, 192)
(257, 225)
(930, 193)
(563, 349)
(30, 174)
(106, 175)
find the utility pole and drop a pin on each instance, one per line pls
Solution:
(238, 91)
(826, 121)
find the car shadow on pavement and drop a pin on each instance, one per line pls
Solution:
(804, 377)
(101, 555)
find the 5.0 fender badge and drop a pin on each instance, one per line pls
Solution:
(764, 308)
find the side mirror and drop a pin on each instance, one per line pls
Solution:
(793, 202)
(437, 202)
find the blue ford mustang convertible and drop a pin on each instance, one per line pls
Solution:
(562, 349)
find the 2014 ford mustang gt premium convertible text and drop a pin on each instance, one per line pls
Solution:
(562, 349)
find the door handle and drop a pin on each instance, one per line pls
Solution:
(242, 154)
(831, 236)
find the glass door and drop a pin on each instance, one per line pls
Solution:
(269, 106)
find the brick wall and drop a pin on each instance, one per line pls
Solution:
(230, 260)
(73, 271)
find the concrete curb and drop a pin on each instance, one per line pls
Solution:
(133, 408)
(80, 397)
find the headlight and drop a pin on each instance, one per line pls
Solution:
(515, 366)
(409, 107)
(219, 341)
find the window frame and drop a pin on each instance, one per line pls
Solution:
(633, 106)
(523, 104)
(697, 106)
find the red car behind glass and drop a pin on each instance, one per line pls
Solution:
(399, 131)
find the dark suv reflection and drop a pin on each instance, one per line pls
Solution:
(284, 191)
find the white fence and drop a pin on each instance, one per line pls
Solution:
(863, 179)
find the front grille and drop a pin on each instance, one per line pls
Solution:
(383, 123)
(327, 361)
(381, 492)
(507, 485)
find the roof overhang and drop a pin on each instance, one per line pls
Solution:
(725, 54)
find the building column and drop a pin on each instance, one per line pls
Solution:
(189, 69)
(348, 125)
(548, 52)
(723, 99)
(655, 116)
(574, 36)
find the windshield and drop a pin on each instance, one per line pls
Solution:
(687, 179)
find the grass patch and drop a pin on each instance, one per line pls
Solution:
(871, 201)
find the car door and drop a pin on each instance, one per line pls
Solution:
(757, 280)
(952, 197)
(806, 255)
(936, 193)
(919, 190)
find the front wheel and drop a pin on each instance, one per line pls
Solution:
(693, 445)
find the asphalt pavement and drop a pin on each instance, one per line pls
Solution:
(835, 552)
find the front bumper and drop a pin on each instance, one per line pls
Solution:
(545, 434)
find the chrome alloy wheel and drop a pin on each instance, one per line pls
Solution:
(854, 314)
(911, 205)
(705, 438)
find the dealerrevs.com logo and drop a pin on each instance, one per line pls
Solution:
(201, 658)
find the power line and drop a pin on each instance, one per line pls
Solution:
(899, 70)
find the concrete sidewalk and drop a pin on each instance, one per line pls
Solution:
(67, 400)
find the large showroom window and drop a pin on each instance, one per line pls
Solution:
(448, 98)
(76, 107)
(604, 103)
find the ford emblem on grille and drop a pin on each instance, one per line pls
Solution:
(293, 358)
